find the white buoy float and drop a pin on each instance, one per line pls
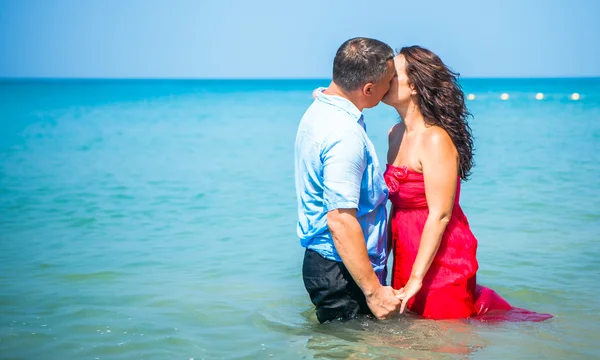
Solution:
(575, 96)
(539, 96)
(504, 96)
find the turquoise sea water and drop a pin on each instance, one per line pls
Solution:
(156, 220)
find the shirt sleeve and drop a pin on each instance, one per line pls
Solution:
(344, 163)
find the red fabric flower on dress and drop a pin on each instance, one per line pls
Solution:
(393, 175)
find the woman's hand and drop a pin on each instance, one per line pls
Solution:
(409, 290)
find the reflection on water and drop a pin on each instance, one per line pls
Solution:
(403, 337)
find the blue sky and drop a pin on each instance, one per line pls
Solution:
(291, 39)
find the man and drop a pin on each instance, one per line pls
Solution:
(341, 191)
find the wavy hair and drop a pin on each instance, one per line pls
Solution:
(441, 100)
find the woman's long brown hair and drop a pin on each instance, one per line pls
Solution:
(441, 100)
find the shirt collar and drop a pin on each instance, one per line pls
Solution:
(343, 104)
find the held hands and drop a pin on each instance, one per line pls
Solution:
(409, 290)
(384, 302)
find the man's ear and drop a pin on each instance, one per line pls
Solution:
(368, 89)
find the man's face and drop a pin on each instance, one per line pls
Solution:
(378, 90)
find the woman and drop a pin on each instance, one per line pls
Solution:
(430, 152)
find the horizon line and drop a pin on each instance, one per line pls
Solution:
(48, 78)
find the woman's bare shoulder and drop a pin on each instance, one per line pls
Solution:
(435, 139)
(436, 135)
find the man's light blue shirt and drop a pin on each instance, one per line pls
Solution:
(337, 168)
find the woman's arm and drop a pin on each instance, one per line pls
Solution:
(440, 170)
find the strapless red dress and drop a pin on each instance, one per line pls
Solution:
(449, 290)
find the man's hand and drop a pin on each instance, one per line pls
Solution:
(384, 302)
(409, 290)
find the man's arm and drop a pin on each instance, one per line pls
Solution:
(350, 245)
(344, 163)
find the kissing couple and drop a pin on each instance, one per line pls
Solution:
(342, 193)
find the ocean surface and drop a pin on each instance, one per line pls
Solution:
(156, 220)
